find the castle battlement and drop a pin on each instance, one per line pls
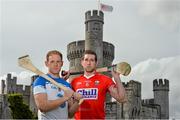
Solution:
(131, 83)
(11, 86)
(10, 79)
(76, 45)
(94, 15)
(147, 101)
(8, 76)
(75, 49)
(160, 84)
(133, 87)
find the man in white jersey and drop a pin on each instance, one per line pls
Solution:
(52, 102)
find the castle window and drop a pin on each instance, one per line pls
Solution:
(96, 26)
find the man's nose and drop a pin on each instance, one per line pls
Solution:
(55, 64)
(89, 62)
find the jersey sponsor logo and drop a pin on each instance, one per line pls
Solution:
(97, 82)
(89, 93)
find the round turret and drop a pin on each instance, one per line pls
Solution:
(95, 15)
(161, 96)
(75, 51)
(94, 21)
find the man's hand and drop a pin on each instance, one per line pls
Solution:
(77, 96)
(115, 75)
(68, 93)
(65, 74)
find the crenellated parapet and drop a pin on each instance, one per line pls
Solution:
(133, 87)
(94, 15)
(26, 91)
(75, 49)
(147, 101)
(161, 85)
(131, 84)
(11, 80)
(10, 84)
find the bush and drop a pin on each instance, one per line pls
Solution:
(19, 110)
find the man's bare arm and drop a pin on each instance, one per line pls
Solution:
(118, 91)
(46, 105)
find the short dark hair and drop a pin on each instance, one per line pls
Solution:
(89, 52)
(53, 52)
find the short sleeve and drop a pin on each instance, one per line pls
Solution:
(109, 83)
(39, 86)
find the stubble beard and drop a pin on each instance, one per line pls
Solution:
(89, 69)
(54, 72)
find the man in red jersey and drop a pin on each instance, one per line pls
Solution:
(93, 86)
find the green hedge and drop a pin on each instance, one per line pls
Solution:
(19, 110)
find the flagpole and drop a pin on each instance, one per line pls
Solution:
(98, 5)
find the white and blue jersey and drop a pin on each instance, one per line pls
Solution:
(41, 85)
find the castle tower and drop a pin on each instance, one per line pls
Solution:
(94, 33)
(93, 41)
(131, 108)
(10, 84)
(161, 96)
(75, 51)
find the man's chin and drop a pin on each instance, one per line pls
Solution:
(90, 71)
(55, 72)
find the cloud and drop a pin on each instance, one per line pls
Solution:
(165, 12)
(24, 77)
(165, 68)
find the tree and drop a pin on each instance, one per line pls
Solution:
(19, 110)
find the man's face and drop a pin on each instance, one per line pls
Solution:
(54, 64)
(89, 63)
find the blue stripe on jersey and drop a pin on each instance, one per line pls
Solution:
(40, 81)
(60, 80)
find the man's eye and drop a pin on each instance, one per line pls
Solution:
(52, 62)
(92, 60)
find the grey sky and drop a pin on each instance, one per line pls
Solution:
(144, 32)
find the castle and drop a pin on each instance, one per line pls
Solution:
(134, 108)
(8, 88)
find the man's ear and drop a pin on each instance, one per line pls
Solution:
(62, 63)
(46, 63)
(97, 63)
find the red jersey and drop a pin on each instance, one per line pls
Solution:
(94, 91)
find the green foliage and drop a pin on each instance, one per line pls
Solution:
(19, 110)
